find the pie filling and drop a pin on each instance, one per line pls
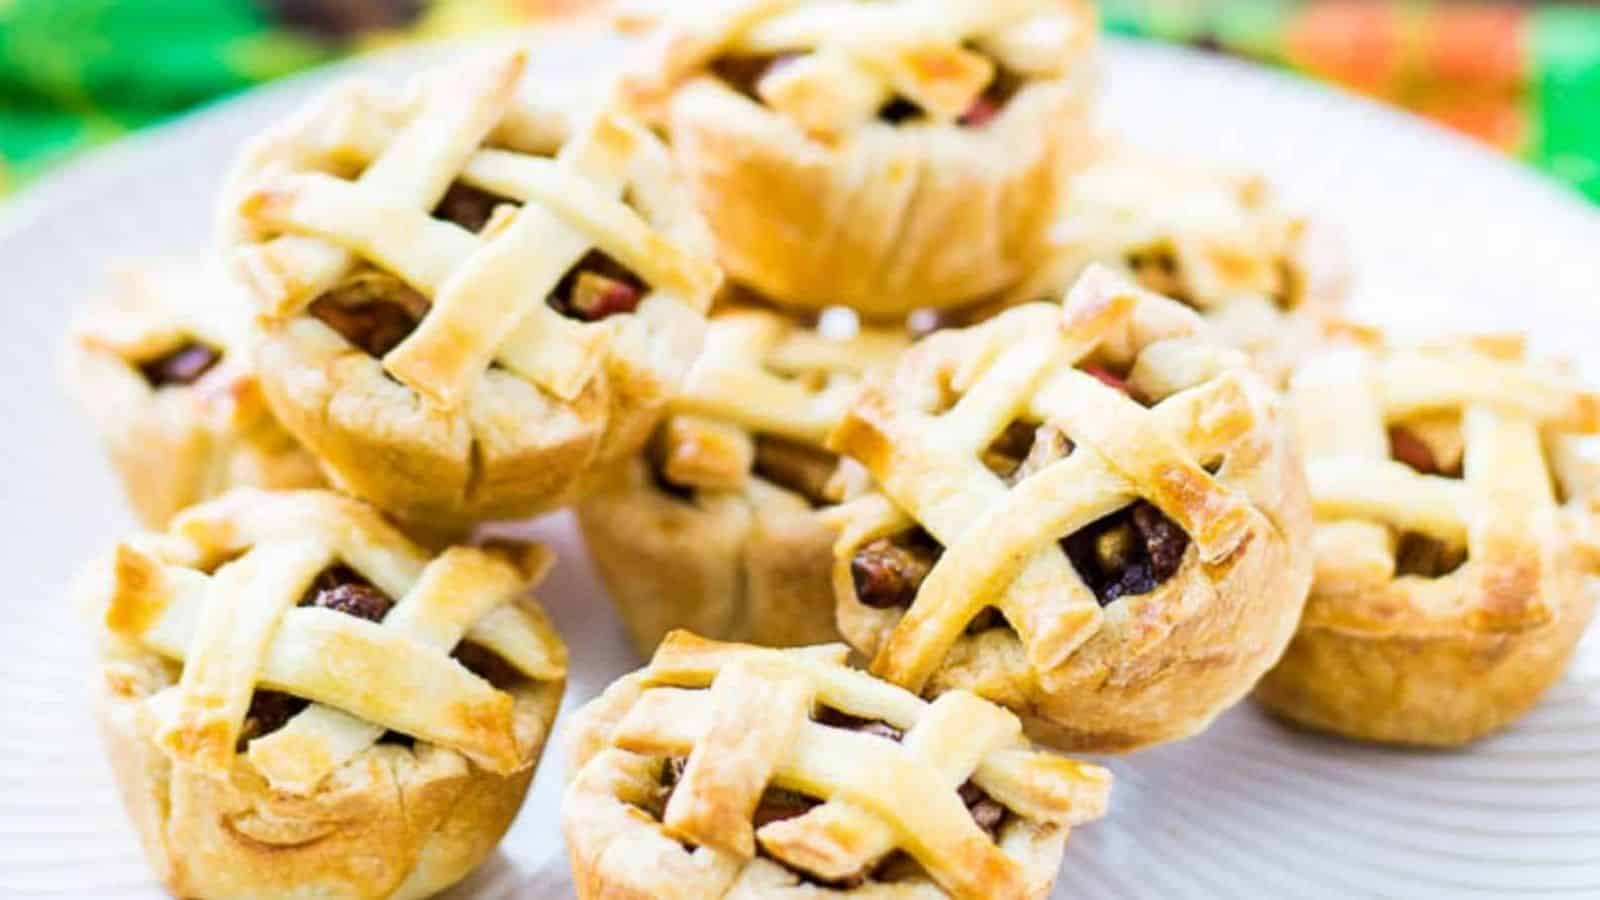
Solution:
(683, 493)
(1408, 447)
(778, 804)
(597, 287)
(181, 366)
(888, 572)
(342, 589)
(488, 665)
(744, 73)
(1415, 553)
(1129, 552)
(899, 111)
(1427, 557)
(372, 310)
(834, 718)
(800, 469)
(269, 711)
(1023, 449)
(1156, 269)
(1111, 378)
(989, 104)
(375, 311)
(796, 467)
(468, 206)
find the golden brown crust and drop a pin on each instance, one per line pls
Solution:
(815, 202)
(1267, 280)
(1444, 654)
(516, 449)
(1190, 669)
(717, 530)
(177, 445)
(495, 404)
(1437, 690)
(740, 718)
(1147, 668)
(1194, 668)
(752, 565)
(736, 550)
(408, 766)
(391, 823)
(889, 221)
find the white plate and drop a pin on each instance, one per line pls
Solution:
(1442, 232)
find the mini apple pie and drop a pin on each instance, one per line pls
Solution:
(1090, 513)
(888, 156)
(716, 529)
(298, 701)
(466, 313)
(162, 366)
(725, 770)
(1455, 485)
(1264, 279)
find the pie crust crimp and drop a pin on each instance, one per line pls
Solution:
(1265, 280)
(162, 366)
(887, 155)
(1455, 485)
(407, 765)
(490, 355)
(717, 528)
(725, 770)
(1119, 569)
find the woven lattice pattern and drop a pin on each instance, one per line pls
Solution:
(1150, 407)
(354, 182)
(1449, 479)
(222, 594)
(744, 720)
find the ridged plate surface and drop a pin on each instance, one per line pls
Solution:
(1441, 232)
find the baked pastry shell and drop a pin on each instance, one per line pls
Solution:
(1318, 264)
(512, 451)
(173, 447)
(1412, 681)
(394, 822)
(890, 219)
(751, 566)
(1162, 666)
(1313, 263)
(506, 447)
(617, 852)
(1316, 267)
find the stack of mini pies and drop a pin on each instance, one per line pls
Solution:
(916, 431)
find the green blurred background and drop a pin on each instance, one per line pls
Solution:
(1522, 77)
